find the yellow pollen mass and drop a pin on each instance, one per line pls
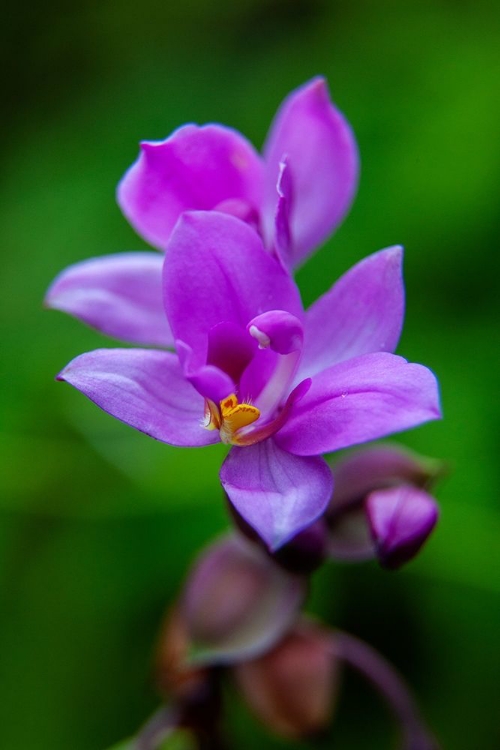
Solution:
(233, 416)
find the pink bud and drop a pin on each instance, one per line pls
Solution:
(175, 677)
(238, 602)
(385, 465)
(292, 688)
(352, 535)
(401, 519)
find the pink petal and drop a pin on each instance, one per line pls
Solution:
(217, 271)
(362, 399)
(362, 313)
(322, 155)
(284, 189)
(276, 493)
(195, 168)
(120, 295)
(145, 389)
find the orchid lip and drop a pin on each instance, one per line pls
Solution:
(229, 417)
(235, 421)
(229, 354)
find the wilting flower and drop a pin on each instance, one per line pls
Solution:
(252, 369)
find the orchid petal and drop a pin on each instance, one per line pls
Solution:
(120, 295)
(210, 381)
(277, 330)
(276, 493)
(217, 269)
(321, 150)
(145, 389)
(230, 348)
(284, 188)
(195, 168)
(362, 399)
(362, 313)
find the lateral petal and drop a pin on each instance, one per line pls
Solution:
(362, 313)
(277, 493)
(217, 271)
(362, 399)
(119, 295)
(145, 389)
(318, 142)
(197, 167)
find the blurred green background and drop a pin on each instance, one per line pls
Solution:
(98, 524)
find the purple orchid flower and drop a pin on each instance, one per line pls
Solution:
(294, 195)
(252, 369)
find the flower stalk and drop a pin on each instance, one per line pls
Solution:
(389, 684)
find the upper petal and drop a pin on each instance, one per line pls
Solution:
(362, 313)
(217, 270)
(362, 399)
(145, 389)
(195, 168)
(282, 236)
(276, 493)
(120, 295)
(323, 159)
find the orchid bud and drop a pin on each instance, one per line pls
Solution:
(292, 688)
(378, 466)
(306, 551)
(363, 507)
(175, 677)
(303, 554)
(238, 603)
(400, 519)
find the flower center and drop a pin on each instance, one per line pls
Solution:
(229, 417)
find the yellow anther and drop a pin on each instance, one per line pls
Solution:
(228, 404)
(231, 417)
(212, 416)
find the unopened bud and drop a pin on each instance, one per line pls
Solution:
(306, 551)
(292, 688)
(355, 527)
(401, 519)
(175, 676)
(378, 466)
(303, 554)
(238, 602)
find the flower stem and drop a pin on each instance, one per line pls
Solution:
(158, 728)
(391, 686)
